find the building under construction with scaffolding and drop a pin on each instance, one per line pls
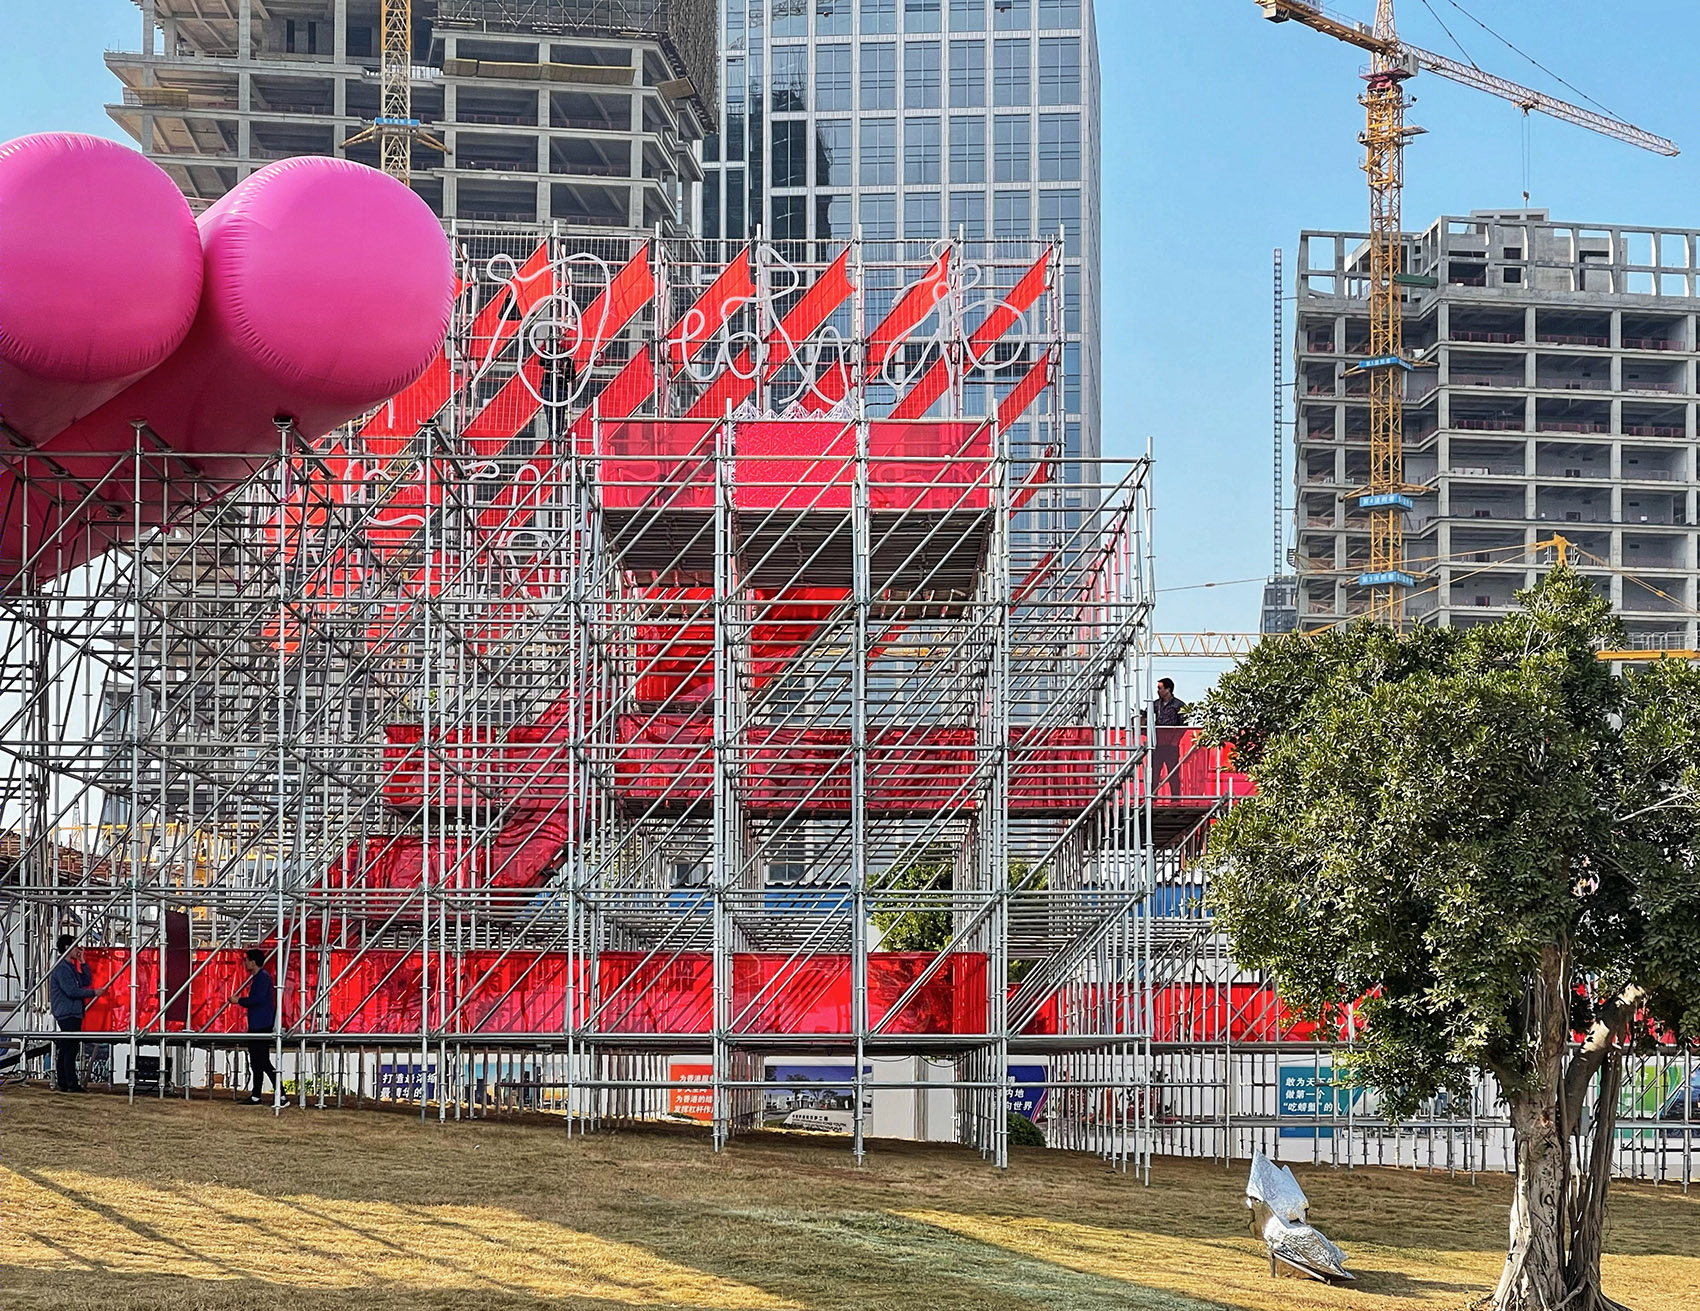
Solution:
(1553, 392)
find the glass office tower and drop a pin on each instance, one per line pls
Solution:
(915, 120)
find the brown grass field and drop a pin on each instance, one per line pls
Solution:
(209, 1204)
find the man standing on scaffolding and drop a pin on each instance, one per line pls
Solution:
(1168, 713)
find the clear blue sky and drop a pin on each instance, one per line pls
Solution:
(1223, 136)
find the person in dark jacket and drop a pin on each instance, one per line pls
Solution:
(70, 987)
(1168, 713)
(259, 999)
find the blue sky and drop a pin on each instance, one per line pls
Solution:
(1223, 136)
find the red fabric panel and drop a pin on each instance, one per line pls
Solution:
(514, 405)
(1052, 768)
(773, 994)
(952, 1001)
(916, 302)
(529, 843)
(795, 465)
(519, 399)
(521, 992)
(919, 399)
(656, 995)
(650, 463)
(1025, 392)
(665, 758)
(786, 622)
(215, 977)
(607, 316)
(730, 289)
(1010, 309)
(734, 384)
(929, 466)
(675, 652)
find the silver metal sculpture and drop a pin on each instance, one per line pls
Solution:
(1278, 1206)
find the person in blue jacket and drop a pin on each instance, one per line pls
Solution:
(70, 987)
(260, 1001)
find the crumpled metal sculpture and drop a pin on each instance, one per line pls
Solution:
(1278, 1209)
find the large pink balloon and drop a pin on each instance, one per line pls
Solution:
(328, 289)
(101, 277)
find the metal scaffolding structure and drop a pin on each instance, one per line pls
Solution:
(708, 665)
(702, 621)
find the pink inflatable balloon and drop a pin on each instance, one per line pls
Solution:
(328, 289)
(102, 276)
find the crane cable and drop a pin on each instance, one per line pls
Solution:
(1523, 54)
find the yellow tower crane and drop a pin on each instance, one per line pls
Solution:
(395, 127)
(1393, 63)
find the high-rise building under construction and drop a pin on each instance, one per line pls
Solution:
(584, 112)
(911, 121)
(1552, 394)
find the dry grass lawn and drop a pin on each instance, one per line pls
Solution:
(202, 1205)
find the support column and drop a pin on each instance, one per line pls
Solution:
(244, 87)
(339, 83)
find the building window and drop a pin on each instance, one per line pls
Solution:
(967, 15)
(968, 214)
(967, 74)
(832, 218)
(790, 218)
(790, 84)
(1059, 211)
(791, 18)
(1059, 13)
(922, 87)
(832, 152)
(1059, 71)
(967, 150)
(1012, 15)
(879, 76)
(1012, 214)
(711, 207)
(790, 155)
(921, 216)
(920, 15)
(735, 204)
(832, 17)
(921, 152)
(832, 77)
(879, 217)
(879, 153)
(879, 15)
(1011, 148)
(1009, 73)
(1059, 148)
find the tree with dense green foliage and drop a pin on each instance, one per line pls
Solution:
(1487, 840)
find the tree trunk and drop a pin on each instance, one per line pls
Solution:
(1588, 1197)
(1533, 1277)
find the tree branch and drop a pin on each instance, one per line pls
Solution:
(1595, 1047)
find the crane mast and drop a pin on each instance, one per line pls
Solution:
(395, 127)
(1387, 497)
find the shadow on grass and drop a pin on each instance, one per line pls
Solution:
(791, 1217)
